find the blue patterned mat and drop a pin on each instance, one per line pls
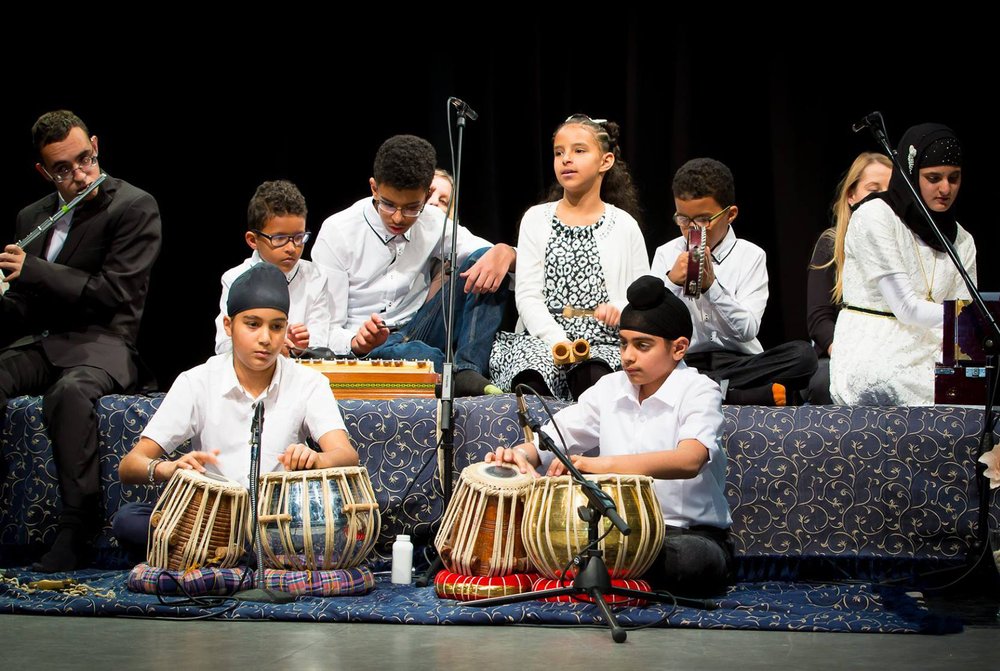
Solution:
(753, 606)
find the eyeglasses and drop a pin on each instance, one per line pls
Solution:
(280, 240)
(700, 220)
(583, 117)
(390, 209)
(64, 172)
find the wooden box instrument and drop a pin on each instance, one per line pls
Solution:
(376, 378)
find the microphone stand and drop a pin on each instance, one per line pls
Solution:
(260, 593)
(979, 551)
(447, 378)
(593, 579)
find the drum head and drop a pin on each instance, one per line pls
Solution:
(213, 481)
(496, 477)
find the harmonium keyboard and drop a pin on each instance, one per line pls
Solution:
(377, 378)
(960, 377)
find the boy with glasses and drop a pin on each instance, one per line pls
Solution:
(71, 317)
(727, 313)
(276, 231)
(378, 255)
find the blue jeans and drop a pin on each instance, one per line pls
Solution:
(477, 321)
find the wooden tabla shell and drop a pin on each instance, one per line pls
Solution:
(480, 533)
(554, 534)
(321, 519)
(200, 520)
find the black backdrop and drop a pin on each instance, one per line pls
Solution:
(201, 117)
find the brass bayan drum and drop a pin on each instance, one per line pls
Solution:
(480, 533)
(320, 519)
(554, 534)
(200, 520)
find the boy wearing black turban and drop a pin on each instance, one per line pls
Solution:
(213, 405)
(656, 417)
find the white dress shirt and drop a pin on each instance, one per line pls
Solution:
(727, 316)
(208, 405)
(687, 406)
(309, 301)
(370, 270)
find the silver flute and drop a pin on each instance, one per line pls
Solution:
(43, 227)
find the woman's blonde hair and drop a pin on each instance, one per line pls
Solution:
(842, 215)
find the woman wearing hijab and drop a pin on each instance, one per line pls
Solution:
(896, 275)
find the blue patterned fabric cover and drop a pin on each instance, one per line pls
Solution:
(870, 484)
(749, 606)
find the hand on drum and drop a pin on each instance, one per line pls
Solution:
(514, 455)
(678, 274)
(709, 277)
(194, 461)
(584, 464)
(298, 457)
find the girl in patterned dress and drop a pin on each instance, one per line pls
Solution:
(581, 249)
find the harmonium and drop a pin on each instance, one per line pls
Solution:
(377, 378)
(960, 377)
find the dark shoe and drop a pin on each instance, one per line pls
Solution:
(470, 383)
(768, 394)
(66, 554)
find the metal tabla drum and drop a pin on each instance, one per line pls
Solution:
(554, 534)
(201, 520)
(480, 533)
(320, 519)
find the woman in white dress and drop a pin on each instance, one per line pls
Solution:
(896, 275)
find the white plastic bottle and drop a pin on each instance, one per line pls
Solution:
(402, 560)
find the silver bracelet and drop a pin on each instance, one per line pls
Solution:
(151, 468)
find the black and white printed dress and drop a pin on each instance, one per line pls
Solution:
(573, 276)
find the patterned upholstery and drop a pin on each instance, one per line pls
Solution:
(812, 482)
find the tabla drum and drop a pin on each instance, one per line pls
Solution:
(480, 533)
(201, 520)
(554, 534)
(320, 519)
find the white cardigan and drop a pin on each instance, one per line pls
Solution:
(623, 258)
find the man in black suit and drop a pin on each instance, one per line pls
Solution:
(71, 316)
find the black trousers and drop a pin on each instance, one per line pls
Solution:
(818, 392)
(68, 401)
(694, 562)
(791, 364)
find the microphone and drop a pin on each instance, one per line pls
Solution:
(522, 415)
(463, 108)
(866, 121)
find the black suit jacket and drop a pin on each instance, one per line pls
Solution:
(85, 307)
